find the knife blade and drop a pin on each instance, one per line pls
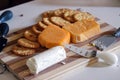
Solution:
(105, 41)
(81, 51)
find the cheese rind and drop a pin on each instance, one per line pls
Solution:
(46, 59)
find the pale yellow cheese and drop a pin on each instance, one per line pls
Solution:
(82, 30)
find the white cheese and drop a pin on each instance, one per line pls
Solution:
(46, 59)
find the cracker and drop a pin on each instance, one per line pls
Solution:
(60, 12)
(59, 21)
(47, 21)
(47, 13)
(27, 43)
(42, 25)
(23, 51)
(68, 15)
(30, 35)
(36, 29)
(83, 15)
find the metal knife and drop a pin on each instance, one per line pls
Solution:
(81, 51)
(105, 41)
(108, 57)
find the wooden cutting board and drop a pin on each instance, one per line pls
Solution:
(17, 64)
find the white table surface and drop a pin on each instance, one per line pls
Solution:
(31, 12)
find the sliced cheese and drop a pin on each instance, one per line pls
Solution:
(46, 59)
(82, 30)
(54, 36)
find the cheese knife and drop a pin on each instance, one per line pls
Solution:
(105, 41)
(109, 58)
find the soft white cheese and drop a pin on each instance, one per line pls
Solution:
(46, 59)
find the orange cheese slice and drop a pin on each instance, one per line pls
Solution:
(53, 36)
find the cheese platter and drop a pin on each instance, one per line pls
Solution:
(17, 64)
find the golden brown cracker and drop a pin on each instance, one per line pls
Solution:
(60, 12)
(83, 15)
(42, 25)
(23, 51)
(27, 43)
(30, 35)
(47, 13)
(68, 15)
(47, 21)
(36, 29)
(59, 21)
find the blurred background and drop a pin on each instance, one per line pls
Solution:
(111, 3)
(9, 3)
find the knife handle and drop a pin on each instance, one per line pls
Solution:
(5, 16)
(4, 29)
(108, 57)
(3, 42)
(117, 33)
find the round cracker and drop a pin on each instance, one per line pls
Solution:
(47, 21)
(42, 25)
(30, 35)
(68, 15)
(60, 12)
(27, 43)
(59, 21)
(83, 15)
(23, 51)
(47, 13)
(36, 29)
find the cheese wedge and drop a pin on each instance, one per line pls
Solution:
(82, 30)
(46, 59)
(53, 36)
